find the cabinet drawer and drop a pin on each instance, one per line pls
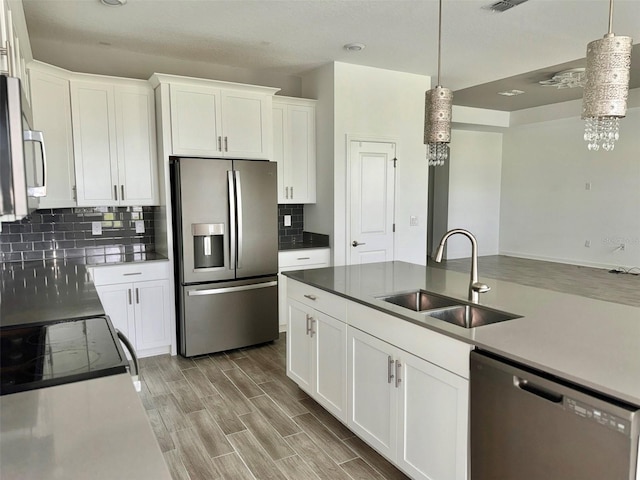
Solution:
(316, 257)
(319, 299)
(130, 272)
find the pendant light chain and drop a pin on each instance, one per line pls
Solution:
(437, 113)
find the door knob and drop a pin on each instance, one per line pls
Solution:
(355, 243)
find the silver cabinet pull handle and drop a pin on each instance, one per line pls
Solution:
(286, 192)
(122, 192)
(115, 192)
(292, 192)
(131, 273)
(355, 243)
(303, 258)
(219, 144)
(390, 375)
(398, 370)
(130, 300)
(308, 324)
(226, 144)
(312, 332)
(137, 295)
(311, 297)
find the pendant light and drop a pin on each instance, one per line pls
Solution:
(606, 88)
(437, 114)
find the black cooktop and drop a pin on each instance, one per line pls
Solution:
(37, 356)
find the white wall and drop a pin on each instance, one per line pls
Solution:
(319, 84)
(373, 102)
(474, 191)
(546, 212)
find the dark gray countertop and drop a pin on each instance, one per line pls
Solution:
(53, 290)
(46, 291)
(590, 342)
(300, 246)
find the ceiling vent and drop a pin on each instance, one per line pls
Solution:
(503, 5)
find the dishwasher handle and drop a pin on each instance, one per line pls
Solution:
(537, 390)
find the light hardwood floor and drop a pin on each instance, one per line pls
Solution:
(584, 281)
(236, 416)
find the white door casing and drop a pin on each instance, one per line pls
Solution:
(371, 183)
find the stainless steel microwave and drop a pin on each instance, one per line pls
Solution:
(23, 167)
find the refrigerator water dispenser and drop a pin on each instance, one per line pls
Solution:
(208, 245)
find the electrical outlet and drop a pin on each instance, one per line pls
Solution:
(413, 221)
(96, 228)
(587, 243)
(139, 226)
(287, 220)
(587, 186)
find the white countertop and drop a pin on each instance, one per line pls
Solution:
(590, 342)
(93, 429)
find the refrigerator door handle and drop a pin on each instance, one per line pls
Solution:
(239, 212)
(232, 221)
(215, 291)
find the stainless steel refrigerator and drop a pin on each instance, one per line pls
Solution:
(226, 250)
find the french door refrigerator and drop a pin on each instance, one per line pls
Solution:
(226, 253)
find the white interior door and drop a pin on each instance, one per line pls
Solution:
(372, 193)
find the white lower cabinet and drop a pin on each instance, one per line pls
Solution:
(410, 410)
(316, 356)
(141, 309)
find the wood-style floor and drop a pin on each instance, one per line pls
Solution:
(589, 282)
(237, 416)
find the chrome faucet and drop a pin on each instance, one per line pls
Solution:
(475, 287)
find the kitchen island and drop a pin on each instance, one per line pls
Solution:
(593, 343)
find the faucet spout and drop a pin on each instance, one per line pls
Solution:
(475, 287)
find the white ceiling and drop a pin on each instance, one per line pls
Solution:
(290, 37)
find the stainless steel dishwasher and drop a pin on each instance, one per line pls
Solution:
(526, 425)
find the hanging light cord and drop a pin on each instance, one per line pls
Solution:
(610, 17)
(440, 36)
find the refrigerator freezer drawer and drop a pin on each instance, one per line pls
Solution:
(228, 315)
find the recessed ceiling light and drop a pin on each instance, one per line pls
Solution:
(354, 47)
(113, 3)
(511, 93)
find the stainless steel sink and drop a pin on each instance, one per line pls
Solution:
(447, 309)
(419, 300)
(470, 316)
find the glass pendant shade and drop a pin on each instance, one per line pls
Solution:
(437, 124)
(606, 89)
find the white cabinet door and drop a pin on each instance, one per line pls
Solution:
(117, 301)
(135, 131)
(279, 120)
(372, 394)
(330, 362)
(51, 102)
(246, 124)
(302, 164)
(432, 421)
(299, 345)
(195, 121)
(151, 314)
(294, 127)
(94, 142)
(114, 143)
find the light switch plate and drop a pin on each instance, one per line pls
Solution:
(139, 226)
(413, 221)
(287, 220)
(96, 228)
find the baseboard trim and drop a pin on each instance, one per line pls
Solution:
(557, 260)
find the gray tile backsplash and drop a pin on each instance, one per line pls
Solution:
(67, 233)
(292, 234)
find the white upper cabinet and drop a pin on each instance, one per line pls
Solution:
(219, 119)
(51, 104)
(114, 141)
(14, 39)
(294, 136)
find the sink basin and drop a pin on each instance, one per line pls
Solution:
(470, 316)
(419, 300)
(447, 309)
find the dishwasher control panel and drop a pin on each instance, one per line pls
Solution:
(598, 415)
